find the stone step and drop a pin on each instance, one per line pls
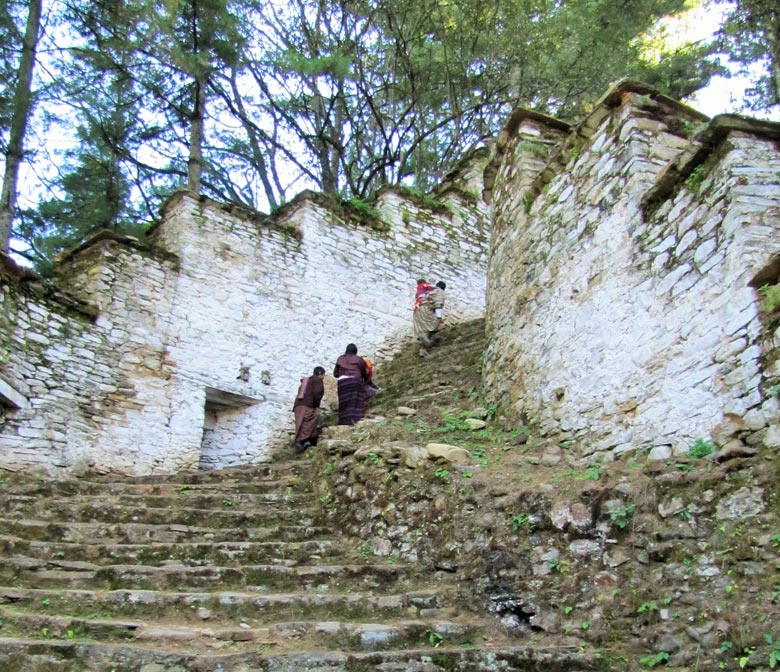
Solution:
(248, 633)
(212, 501)
(28, 572)
(263, 477)
(204, 607)
(96, 510)
(235, 552)
(277, 470)
(26, 486)
(77, 656)
(139, 533)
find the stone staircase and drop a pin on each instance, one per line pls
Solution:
(241, 569)
(450, 371)
(226, 571)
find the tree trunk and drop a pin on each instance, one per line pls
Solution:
(251, 134)
(21, 112)
(195, 162)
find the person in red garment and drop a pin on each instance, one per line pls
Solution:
(428, 314)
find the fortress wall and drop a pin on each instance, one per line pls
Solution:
(621, 312)
(82, 381)
(279, 298)
(200, 338)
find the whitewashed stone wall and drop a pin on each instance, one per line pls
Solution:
(621, 311)
(199, 340)
(85, 384)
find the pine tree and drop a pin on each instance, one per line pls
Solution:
(22, 104)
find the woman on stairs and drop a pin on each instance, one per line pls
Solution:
(352, 375)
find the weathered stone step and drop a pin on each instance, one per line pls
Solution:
(194, 499)
(76, 656)
(257, 479)
(188, 607)
(139, 533)
(98, 511)
(276, 470)
(235, 552)
(229, 487)
(280, 635)
(29, 572)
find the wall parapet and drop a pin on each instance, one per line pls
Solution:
(703, 145)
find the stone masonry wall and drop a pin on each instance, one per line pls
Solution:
(187, 351)
(83, 382)
(622, 311)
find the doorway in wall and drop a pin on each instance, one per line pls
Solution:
(9, 397)
(11, 400)
(223, 419)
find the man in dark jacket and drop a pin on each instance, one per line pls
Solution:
(307, 410)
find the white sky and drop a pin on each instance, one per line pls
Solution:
(723, 94)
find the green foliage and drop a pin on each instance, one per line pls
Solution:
(336, 65)
(650, 606)
(74, 633)
(684, 513)
(591, 474)
(364, 209)
(521, 520)
(655, 659)
(452, 423)
(749, 35)
(345, 96)
(701, 448)
(743, 660)
(622, 516)
(694, 180)
(480, 455)
(770, 298)
(774, 650)
(421, 197)
(365, 550)
(434, 638)
(441, 473)
(533, 147)
(691, 128)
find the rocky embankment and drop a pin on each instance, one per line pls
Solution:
(634, 563)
